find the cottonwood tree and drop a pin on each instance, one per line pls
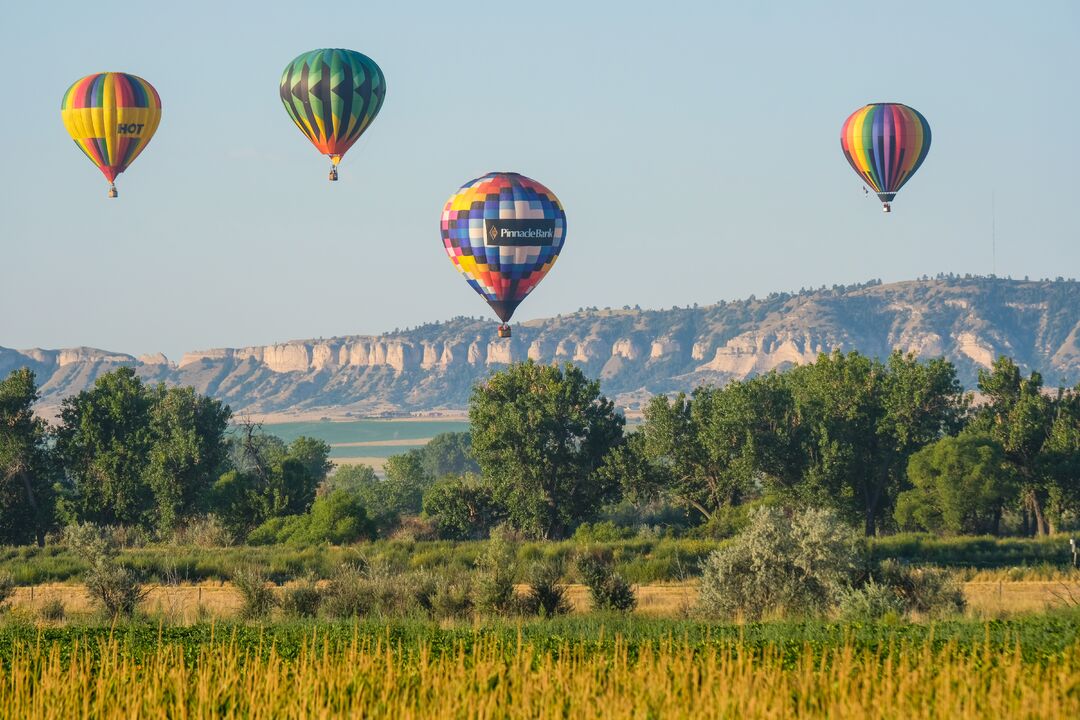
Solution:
(27, 470)
(960, 485)
(269, 478)
(141, 455)
(104, 441)
(705, 450)
(187, 452)
(540, 434)
(448, 453)
(864, 419)
(1019, 415)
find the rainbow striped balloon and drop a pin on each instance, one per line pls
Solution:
(111, 116)
(503, 231)
(885, 143)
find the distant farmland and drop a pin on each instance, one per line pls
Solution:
(367, 438)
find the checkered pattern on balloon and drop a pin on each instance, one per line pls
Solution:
(503, 275)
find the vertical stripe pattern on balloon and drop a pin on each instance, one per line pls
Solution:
(885, 143)
(111, 117)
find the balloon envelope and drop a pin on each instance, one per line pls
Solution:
(503, 231)
(885, 143)
(111, 116)
(333, 96)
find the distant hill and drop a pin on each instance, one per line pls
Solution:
(635, 352)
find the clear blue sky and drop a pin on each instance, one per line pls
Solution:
(695, 147)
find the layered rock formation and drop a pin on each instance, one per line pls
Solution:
(634, 352)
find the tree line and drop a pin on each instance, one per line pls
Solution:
(893, 444)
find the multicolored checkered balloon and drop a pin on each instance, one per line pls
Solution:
(503, 231)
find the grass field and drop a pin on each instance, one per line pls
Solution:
(591, 667)
(642, 561)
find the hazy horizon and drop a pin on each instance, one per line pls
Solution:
(695, 149)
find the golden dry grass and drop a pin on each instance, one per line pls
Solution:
(182, 602)
(371, 679)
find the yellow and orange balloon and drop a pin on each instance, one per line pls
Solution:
(111, 116)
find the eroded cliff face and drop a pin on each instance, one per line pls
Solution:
(635, 353)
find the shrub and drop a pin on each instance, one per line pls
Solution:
(347, 595)
(603, 531)
(357, 590)
(87, 539)
(52, 611)
(872, 601)
(452, 597)
(302, 599)
(607, 589)
(547, 594)
(203, 531)
(255, 592)
(7, 589)
(336, 518)
(496, 568)
(114, 588)
(461, 508)
(929, 591)
(781, 564)
(413, 528)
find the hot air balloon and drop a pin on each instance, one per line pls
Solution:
(503, 231)
(333, 96)
(885, 143)
(111, 116)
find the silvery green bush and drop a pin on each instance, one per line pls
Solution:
(872, 601)
(783, 563)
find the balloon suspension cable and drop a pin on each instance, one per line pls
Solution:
(112, 190)
(886, 207)
(504, 331)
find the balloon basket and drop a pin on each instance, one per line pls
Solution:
(112, 191)
(504, 331)
(333, 174)
(886, 207)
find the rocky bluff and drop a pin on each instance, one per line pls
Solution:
(634, 352)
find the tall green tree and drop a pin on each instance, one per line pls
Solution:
(104, 441)
(384, 500)
(269, 479)
(27, 470)
(187, 453)
(704, 450)
(1059, 461)
(540, 434)
(864, 419)
(462, 507)
(960, 485)
(449, 453)
(1019, 415)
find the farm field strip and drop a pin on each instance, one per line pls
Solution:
(985, 599)
(496, 676)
